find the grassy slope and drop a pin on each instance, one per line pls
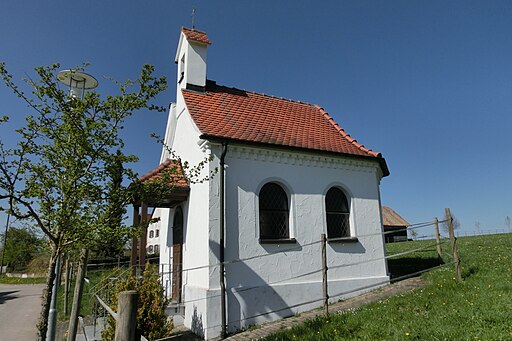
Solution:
(88, 301)
(479, 308)
(15, 280)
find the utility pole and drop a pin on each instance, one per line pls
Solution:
(5, 243)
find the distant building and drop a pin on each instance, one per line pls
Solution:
(153, 238)
(395, 227)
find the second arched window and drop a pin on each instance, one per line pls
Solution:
(273, 212)
(338, 213)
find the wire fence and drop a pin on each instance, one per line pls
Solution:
(288, 279)
(436, 248)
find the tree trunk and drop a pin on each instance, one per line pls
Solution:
(42, 326)
(77, 296)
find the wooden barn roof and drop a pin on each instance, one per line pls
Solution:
(391, 218)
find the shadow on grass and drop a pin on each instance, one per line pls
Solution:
(411, 266)
(469, 272)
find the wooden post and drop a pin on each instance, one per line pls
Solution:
(324, 274)
(77, 297)
(135, 241)
(66, 286)
(144, 236)
(126, 323)
(453, 240)
(438, 238)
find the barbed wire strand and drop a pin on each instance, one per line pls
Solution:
(396, 279)
(336, 295)
(242, 289)
(330, 267)
(380, 258)
(294, 248)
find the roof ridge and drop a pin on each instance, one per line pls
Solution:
(192, 29)
(345, 134)
(156, 170)
(264, 94)
(196, 35)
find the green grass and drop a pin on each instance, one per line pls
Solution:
(15, 280)
(88, 300)
(478, 308)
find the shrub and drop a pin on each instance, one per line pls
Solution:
(39, 264)
(151, 319)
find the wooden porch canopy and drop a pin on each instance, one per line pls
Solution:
(164, 186)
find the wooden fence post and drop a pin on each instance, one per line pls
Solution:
(324, 274)
(453, 240)
(77, 296)
(438, 238)
(134, 261)
(126, 323)
(67, 282)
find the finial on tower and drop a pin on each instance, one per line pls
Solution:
(193, 18)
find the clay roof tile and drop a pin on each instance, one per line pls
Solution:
(176, 172)
(195, 35)
(229, 113)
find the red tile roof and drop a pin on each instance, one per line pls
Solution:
(391, 218)
(195, 35)
(229, 113)
(175, 173)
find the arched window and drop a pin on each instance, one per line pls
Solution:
(338, 213)
(151, 234)
(150, 249)
(157, 248)
(273, 213)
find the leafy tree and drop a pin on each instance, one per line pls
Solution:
(478, 226)
(55, 175)
(414, 234)
(112, 234)
(455, 222)
(21, 246)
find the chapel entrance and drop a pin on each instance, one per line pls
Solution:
(177, 254)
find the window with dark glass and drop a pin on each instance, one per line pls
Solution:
(338, 213)
(273, 213)
(151, 234)
(157, 233)
(157, 248)
(150, 249)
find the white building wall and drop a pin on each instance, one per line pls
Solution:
(306, 179)
(197, 276)
(164, 242)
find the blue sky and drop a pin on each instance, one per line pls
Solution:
(427, 83)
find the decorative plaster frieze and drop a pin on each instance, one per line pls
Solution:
(301, 159)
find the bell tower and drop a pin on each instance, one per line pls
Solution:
(191, 59)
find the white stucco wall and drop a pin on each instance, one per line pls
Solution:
(198, 278)
(191, 60)
(306, 179)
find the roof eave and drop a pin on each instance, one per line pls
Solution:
(219, 139)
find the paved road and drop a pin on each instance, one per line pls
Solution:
(20, 306)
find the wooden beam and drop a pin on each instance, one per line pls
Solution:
(144, 236)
